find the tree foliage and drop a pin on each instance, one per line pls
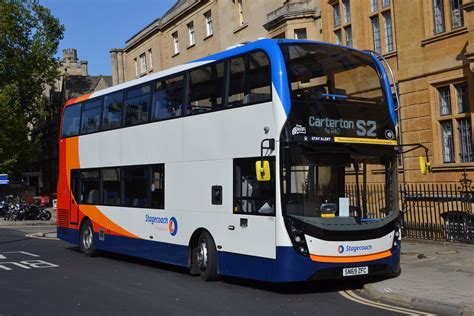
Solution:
(29, 39)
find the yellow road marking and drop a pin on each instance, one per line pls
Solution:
(350, 295)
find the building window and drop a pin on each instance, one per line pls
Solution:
(192, 38)
(208, 18)
(136, 66)
(346, 7)
(438, 14)
(338, 35)
(336, 15)
(301, 34)
(374, 5)
(444, 98)
(382, 13)
(348, 36)
(462, 98)
(175, 42)
(387, 17)
(385, 4)
(342, 31)
(376, 34)
(150, 58)
(143, 63)
(447, 141)
(455, 127)
(241, 12)
(456, 14)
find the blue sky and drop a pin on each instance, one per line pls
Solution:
(93, 27)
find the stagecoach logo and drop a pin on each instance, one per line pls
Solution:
(389, 134)
(298, 130)
(173, 226)
(163, 223)
(340, 249)
(354, 249)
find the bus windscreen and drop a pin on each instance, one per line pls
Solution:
(336, 96)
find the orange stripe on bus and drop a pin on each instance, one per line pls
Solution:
(97, 217)
(374, 256)
(72, 157)
(78, 99)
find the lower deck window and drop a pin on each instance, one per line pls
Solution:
(252, 196)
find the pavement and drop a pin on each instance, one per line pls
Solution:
(436, 276)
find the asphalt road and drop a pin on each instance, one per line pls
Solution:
(52, 277)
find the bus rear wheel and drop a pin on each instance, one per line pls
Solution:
(205, 257)
(87, 239)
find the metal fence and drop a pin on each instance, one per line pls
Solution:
(430, 211)
(438, 211)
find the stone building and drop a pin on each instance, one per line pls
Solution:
(74, 80)
(429, 45)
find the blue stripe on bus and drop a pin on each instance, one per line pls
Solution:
(290, 266)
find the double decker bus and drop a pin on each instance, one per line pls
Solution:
(258, 162)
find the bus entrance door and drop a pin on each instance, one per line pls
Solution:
(75, 189)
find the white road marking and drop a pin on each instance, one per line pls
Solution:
(350, 295)
(23, 252)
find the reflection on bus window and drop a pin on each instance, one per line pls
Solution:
(168, 98)
(158, 186)
(112, 114)
(90, 186)
(71, 120)
(250, 80)
(91, 116)
(111, 186)
(206, 89)
(137, 106)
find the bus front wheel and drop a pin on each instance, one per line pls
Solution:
(87, 239)
(205, 257)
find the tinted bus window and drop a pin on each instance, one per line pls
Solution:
(137, 106)
(158, 186)
(250, 80)
(91, 116)
(206, 89)
(259, 79)
(90, 187)
(136, 186)
(168, 98)
(71, 120)
(111, 186)
(112, 113)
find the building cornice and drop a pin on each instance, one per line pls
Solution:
(169, 18)
(290, 11)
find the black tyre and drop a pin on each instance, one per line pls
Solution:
(87, 239)
(205, 257)
(45, 215)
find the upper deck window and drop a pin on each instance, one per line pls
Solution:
(250, 79)
(71, 120)
(137, 105)
(168, 98)
(112, 112)
(206, 89)
(91, 116)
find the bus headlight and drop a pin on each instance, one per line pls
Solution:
(297, 236)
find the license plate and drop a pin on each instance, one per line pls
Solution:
(355, 271)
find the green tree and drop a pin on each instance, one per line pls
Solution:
(29, 39)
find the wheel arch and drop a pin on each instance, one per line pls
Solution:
(193, 240)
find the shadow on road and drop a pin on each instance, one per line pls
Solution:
(296, 288)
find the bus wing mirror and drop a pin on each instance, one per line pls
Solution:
(424, 165)
(262, 169)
